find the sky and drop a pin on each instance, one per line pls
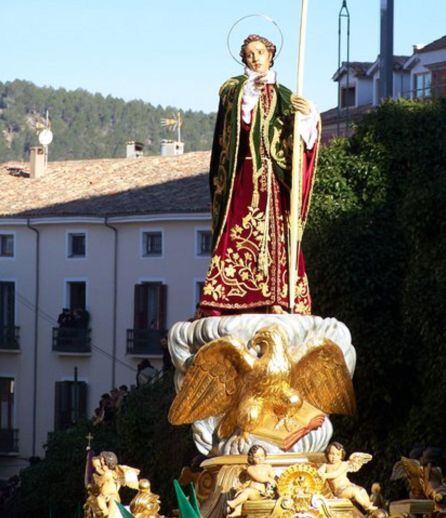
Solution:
(174, 53)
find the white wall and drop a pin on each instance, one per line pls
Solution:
(179, 268)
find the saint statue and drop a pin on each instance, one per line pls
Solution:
(250, 180)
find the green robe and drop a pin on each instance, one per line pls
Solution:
(276, 128)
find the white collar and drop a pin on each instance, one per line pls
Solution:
(271, 76)
(251, 93)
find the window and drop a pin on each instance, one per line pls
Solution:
(76, 245)
(6, 245)
(77, 294)
(149, 320)
(204, 242)
(70, 403)
(152, 244)
(6, 403)
(7, 312)
(150, 306)
(438, 86)
(422, 85)
(348, 97)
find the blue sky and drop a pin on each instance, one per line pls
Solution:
(174, 52)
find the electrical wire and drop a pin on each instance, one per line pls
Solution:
(48, 318)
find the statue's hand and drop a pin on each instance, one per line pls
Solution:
(300, 104)
(260, 81)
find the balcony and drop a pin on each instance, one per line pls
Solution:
(9, 338)
(71, 340)
(9, 441)
(145, 342)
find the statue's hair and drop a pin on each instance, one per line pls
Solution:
(338, 446)
(255, 37)
(110, 459)
(253, 450)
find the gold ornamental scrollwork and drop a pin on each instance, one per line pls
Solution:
(296, 487)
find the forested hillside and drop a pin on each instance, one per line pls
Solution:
(88, 125)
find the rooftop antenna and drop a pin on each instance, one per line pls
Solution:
(46, 136)
(344, 13)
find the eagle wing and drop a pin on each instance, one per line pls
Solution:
(322, 379)
(211, 382)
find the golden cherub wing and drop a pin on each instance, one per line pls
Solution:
(211, 382)
(128, 476)
(357, 460)
(322, 379)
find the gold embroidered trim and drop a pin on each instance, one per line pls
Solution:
(239, 104)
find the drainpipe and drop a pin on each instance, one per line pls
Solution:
(36, 335)
(115, 293)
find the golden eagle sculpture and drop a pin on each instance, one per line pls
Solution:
(266, 393)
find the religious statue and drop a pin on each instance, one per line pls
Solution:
(250, 181)
(145, 504)
(335, 473)
(269, 395)
(103, 490)
(260, 482)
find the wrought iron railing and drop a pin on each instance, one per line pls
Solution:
(71, 340)
(9, 440)
(9, 337)
(144, 341)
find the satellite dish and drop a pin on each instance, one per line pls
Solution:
(45, 137)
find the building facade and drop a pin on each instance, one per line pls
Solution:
(123, 245)
(419, 76)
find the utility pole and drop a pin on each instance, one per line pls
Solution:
(343, 14)
(386, 51)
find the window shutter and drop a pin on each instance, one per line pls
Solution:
(83, 393)
(140, 308)
(162, 306)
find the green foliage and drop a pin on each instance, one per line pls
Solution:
(88, 125)
(141, 437)
(376, 247)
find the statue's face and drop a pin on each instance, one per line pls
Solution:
(259, 456)
(258, 57)
(334, 455)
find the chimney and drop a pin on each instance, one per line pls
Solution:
(134, 149)
(171, 148)
(37, 162)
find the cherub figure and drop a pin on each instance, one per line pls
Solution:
(335, 473)
(260, 484)
(107, 481)
(108, 477)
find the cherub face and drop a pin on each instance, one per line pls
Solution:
(334, 455)
(258, 57)
(259, 456)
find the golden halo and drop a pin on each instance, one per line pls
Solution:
(258, 15)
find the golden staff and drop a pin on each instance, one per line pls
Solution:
(296, 223)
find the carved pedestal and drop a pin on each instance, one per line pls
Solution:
(300, 488)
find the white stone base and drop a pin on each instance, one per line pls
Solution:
(304, 332)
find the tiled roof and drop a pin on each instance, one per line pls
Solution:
(358, 68)
(434, 45)
(355, 112)
(146, 185)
